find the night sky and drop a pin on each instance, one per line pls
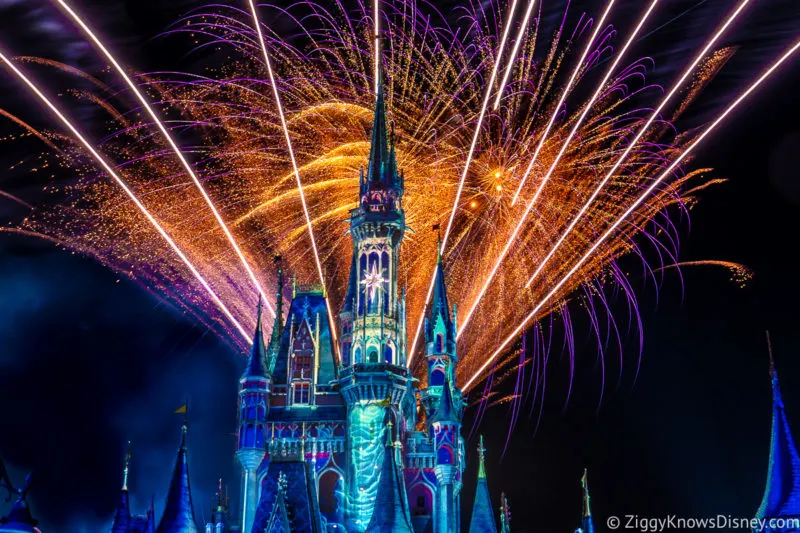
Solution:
(89, 361)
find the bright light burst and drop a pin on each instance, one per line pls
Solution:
(465, 164)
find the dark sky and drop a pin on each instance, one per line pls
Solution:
(88, 361)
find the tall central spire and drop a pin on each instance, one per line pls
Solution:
(382, 173)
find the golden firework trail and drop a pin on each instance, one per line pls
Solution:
(288, 137)
(611, 230)
(100, 159)
(653, 116)
(280, 152)
(157, 121)
(586, 108)
(470, 154)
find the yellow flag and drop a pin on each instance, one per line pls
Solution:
(181, 410)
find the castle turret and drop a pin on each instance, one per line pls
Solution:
(505, 514)
(483, 520)
(446, 427)
(391, 503)
(587, 523)
(254, 394)
(178, 514)
(219, 522)
(782, 494)
(440, 340)
(122, 516)
(373, 323)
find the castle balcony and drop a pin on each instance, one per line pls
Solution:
(374, 382)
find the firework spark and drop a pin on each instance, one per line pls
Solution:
(611, 230)
(158, 122)
(254, 138)
(100, 159)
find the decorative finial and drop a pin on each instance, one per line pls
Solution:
(259, 307)
(437, 228)
(481, 459)
(772, 372)
(587, 512)
(127, 467)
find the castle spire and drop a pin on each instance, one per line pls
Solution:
(782, 494)
(391, 505)
(505, 514)
(482, 510)
(277, 326)
(587, 524)
(257, 361)
(178, 514)
(122, 516)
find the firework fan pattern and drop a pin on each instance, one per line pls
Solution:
(539, 150)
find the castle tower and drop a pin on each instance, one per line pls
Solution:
(440, 341)
(482, 510)
(254, 393)
(391, 504)
(178, 514)
(782, 494)
(373, 324)
(219, 513)
(505, 514)
(587, 523)
(18, 519)
(446, 427)
(122, 516)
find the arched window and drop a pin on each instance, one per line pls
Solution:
(388, 353)
(444, 456)
(385, 274)
(420, 498)
(357, 358)
(439, 345)
(372, 355)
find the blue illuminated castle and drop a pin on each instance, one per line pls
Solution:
(329, 445)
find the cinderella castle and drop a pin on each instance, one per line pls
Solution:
(354, 446)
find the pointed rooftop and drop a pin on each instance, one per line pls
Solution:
(447, 412)
(440, 305)
(178, 514)
(391, 503)
(122, 516)
(382, 169)
(257, 361)
(587, 523)
(505, 514)
(277, 326)
(782, 494)
(482, 510)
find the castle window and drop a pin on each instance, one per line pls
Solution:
(387, 354)
(300, 393)
(372, 354)
(439, 347)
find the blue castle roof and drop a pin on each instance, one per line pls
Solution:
(257, 361)
(178, 514)
(391, 502)
(782, 493)
(292, 482)
(482, 510)
(306, 306)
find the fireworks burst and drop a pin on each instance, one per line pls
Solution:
(543, 177)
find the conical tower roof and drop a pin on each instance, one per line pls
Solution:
(178, 514)
(122, 516)
(257, 361)
(483, 520)
(391, 503)
(587, 523)
(446, 412)
(782, 493)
